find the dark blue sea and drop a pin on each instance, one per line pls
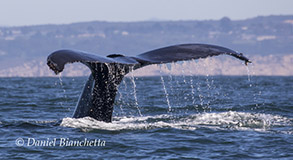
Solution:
(169, 117)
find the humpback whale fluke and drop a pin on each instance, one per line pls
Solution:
(99, 92)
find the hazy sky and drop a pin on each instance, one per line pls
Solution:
(28, 12)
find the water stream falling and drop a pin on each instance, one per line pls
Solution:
(169, 68)
(208, 84)
(165, 90)
(134, 90)
(200, 96)
(200, 92)
(122, 90)
(192, 86)
(249, 77)
(63, 89)
(120, 99)
(184, 77)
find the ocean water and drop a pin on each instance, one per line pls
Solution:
(170, 117)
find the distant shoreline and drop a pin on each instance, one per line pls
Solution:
(272, 65)
(266, 40)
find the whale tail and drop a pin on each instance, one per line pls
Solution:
(99, 92)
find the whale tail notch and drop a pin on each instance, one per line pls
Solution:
(99, 92)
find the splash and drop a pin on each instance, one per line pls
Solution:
(231, 120)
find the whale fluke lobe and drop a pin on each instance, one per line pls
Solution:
(99, 92)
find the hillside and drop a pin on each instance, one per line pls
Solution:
(256, 37)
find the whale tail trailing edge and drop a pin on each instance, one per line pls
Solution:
(99, 92)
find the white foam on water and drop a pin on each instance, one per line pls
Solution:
(240, 120)
(46, 121)
(224, 120)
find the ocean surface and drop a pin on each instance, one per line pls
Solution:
(167, 117)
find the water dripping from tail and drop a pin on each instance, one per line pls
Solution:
(207, 81)
(192, 87)
(134, 91)
(249, 78)
(165, 90)
(64, 91)
(184, 75)
(121, 104)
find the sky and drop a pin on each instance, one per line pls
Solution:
(35, 12)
